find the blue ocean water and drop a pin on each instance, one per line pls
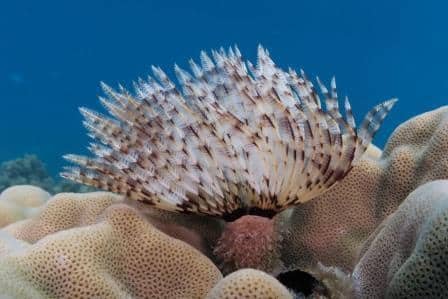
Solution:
(53, 54)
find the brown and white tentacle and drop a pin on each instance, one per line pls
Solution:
(233, 136)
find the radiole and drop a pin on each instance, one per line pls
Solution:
(233, 138)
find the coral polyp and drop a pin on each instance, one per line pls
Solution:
(233, 139)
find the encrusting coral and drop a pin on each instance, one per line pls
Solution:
(249, 283)
(120, 256)
(407, 255)
(21, 202)
(331, 228)
(235, 140)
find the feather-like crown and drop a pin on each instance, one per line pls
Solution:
(235, 139)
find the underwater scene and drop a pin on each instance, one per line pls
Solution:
(223, 149)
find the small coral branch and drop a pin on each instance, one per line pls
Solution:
(233, 138)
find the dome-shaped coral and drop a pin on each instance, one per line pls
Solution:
(406, 257)
(249, 283)
(21, 202)
(121, 256)
(63, 211)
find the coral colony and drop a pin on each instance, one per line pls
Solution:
(235, 141)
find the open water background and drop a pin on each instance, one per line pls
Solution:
(54, 53)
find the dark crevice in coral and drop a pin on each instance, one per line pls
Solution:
(301, 282)
(234, 215)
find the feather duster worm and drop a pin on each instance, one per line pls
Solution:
(235, 139)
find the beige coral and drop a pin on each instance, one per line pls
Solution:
(25, 195)
(373, 152)
(406, 256)
(331, 227)
(121, 256)
(201, 232)
(21, 202)
(68, 210)
(249, 283)
(63, 211)
(10, 244)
